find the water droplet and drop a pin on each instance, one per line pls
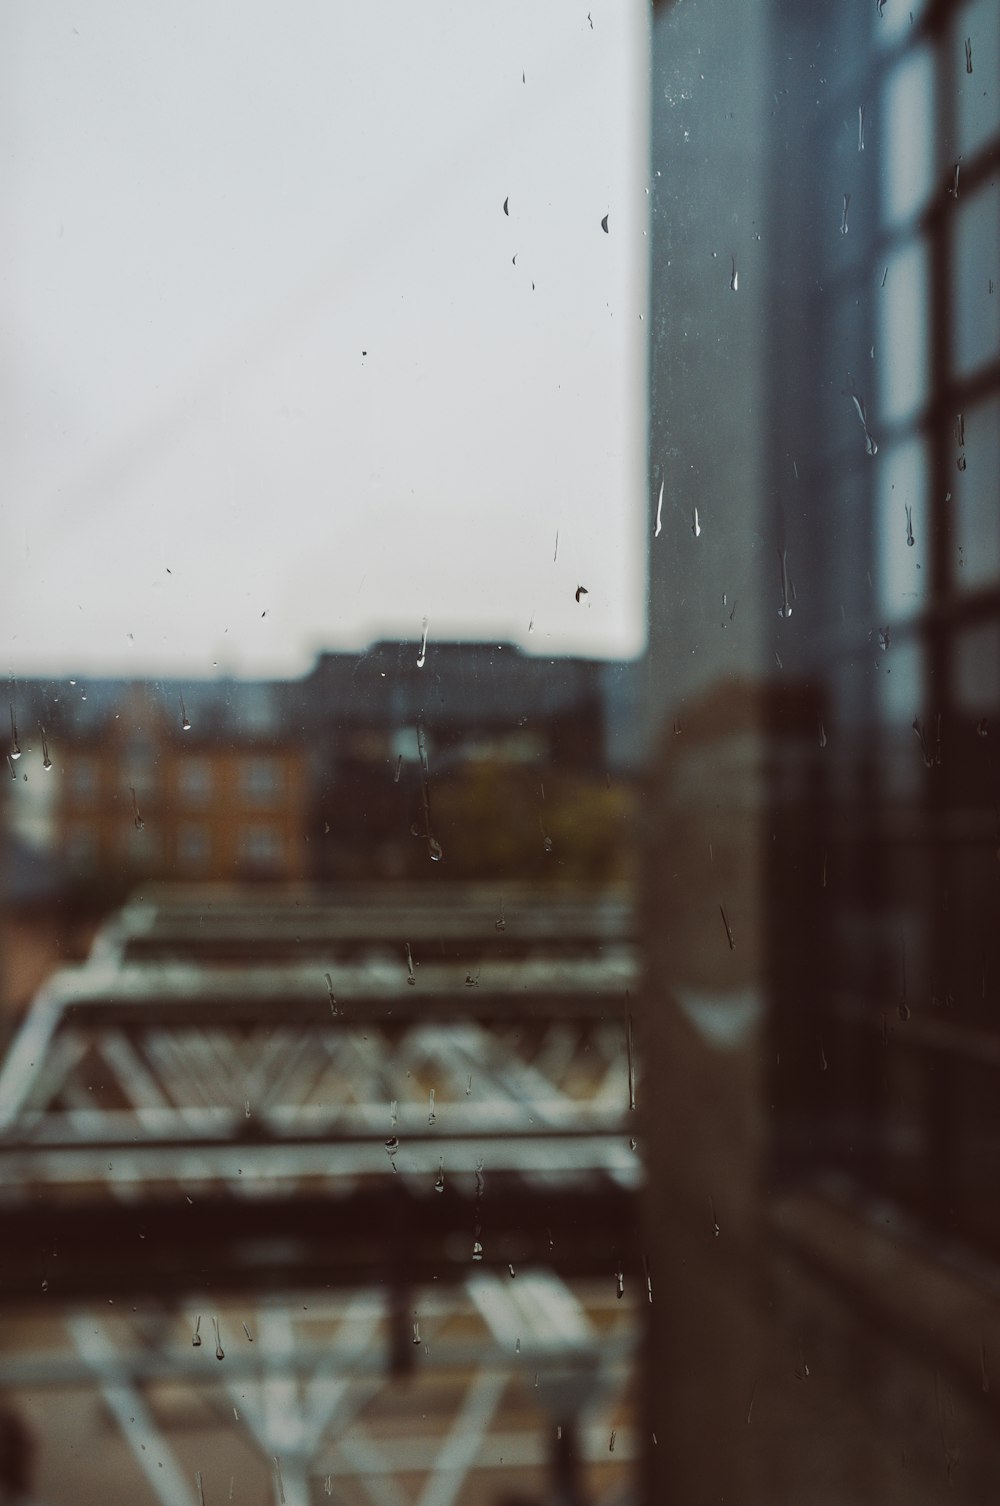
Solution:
(659, 513)
(581, 591)
(843, 221)
(728, 928)
(46, 760)
(510, 1268)
(248, 1334)
(278, 1480)
(422, 655)
(695, 525)
(477, 1247)
(185, 722)
(439, 1180)
(968, 54)
(45, 1286)
(137, 820)
(619, 1283)
(416, 1329)
(219, 1351)
(861, 128)
(961, 462)
(196, 1336)
(471, 981)
(734, 279)
(909, 525)
(15, 746)
(329, 990)
(200, 1485)
(547, 844)
(884, 639)
(506, 208)
(604, 225)
(716, 1231)
(431, 1116)
(983, 727)
(411, 976)
(822, 734)
(468, 1087)
(649, 1278)
(399, 765)
(246, 1107)
(391, 1147)
(393, 1111)
(823, 1063)
(629, 1052)
(611, 1441)
(871, 447)
(501, 923)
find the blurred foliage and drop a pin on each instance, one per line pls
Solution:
(492, 820)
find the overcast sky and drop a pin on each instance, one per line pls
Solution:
(275, 380)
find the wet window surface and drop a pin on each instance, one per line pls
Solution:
(501, 819)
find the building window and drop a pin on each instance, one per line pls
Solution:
(261, 846)
(194, 781)
(194, 845)
(260, 779)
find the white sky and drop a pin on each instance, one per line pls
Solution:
(213, 211)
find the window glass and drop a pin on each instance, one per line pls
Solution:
(500, 811)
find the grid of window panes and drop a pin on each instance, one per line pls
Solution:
(885, 470)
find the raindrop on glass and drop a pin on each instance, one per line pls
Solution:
(871, 447)
(137, 820)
